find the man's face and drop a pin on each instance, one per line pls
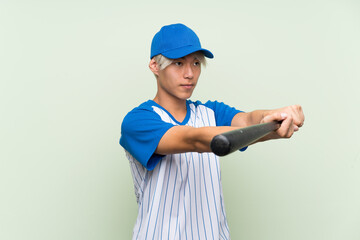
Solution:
(178, 80)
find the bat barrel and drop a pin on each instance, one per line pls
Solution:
(231, 141)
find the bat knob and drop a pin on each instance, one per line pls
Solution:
(220, 145)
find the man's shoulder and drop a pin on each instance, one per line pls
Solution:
(143, 107)
(139, 112)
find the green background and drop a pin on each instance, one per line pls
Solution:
(71, 70)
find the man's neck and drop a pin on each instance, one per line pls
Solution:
(176, 107)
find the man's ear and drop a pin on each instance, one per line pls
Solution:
(154, 67)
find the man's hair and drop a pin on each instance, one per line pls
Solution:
(163, 61)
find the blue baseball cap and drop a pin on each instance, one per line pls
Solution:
(176, 41)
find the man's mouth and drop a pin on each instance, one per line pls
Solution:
(187, 86)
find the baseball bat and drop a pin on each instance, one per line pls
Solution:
(231, 141)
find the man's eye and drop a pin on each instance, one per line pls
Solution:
(197, 63)
(178, 63)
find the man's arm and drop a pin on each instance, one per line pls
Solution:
(292, 118)
(179, 139)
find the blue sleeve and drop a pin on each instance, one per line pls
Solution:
(141, 131)
(223, 113)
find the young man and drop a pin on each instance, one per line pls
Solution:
(167, 141)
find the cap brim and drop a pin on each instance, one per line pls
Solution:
(184, 51)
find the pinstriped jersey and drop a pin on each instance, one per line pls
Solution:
(179, 195)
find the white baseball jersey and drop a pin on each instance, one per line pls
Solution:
(179, 195)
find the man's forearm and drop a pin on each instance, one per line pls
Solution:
(245, 119)
(179, 139)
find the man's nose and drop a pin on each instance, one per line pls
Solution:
(188, 72)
